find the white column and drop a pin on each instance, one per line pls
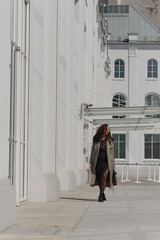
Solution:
(133, 99)
(50, 35)
(68, 132)
(7, 193)
(43, 182)
(81, 50)
(133, 76)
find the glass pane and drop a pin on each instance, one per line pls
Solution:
(122, 104)
(115, 137)
(156, 137)
(154, 62)
(156, 116)
(117, 68)
(122, 137)
(147, 150)
(122, 150)
(148, 100)
(111, 9)
(154, 74)
(149, 74)
(116, 74)
(126, 9)
(150, 62)
(106, 9)
(115, 101)
(120, 9)
(115, 104)
(117, 62)
(148, 137)
(116, 9)
(155, 150)
(122, 98)
(121, 62)
(155, 100)
(115, 98)
(154, 68)
(122, 68)
(149, 68)
(121, 74)
(116, 149)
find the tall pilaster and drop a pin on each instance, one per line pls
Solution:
(50, 123)
(132, 97)
(44, 184)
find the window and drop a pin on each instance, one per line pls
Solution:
(119, 101)
(119, 68)
(152, 100)
(19, 98)
(152, 69)
(152, 146)
(113, 9)
(119, 146)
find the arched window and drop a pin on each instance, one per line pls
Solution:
(154, 101)
(119, 68)
(119, 101)
(152, 69)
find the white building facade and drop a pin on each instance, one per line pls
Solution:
(134, 52)
(53, 56)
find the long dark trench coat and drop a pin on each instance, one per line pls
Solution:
(94, 157)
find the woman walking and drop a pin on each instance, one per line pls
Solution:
(102, 159)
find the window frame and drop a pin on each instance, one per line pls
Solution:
(118, 103)
(152, 70)
(119, 146)
(119, 77)
(152, 147)
(151, 105)
(19, 98)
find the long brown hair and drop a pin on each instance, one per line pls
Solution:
(100, 133)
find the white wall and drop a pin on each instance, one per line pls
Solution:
(136, 84)
(80, 74)
(135, 87)
(66, 69)
(7, 193)
(118, 86)
(43, 182)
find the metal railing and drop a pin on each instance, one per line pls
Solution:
(153, 166)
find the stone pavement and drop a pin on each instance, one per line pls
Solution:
(131, 213)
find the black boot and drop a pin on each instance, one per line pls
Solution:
(104, 197)
(100, 199)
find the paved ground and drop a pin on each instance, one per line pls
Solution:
(131, 213)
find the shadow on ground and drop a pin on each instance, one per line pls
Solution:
(79, 199)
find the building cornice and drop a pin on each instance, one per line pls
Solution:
(134, 43)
